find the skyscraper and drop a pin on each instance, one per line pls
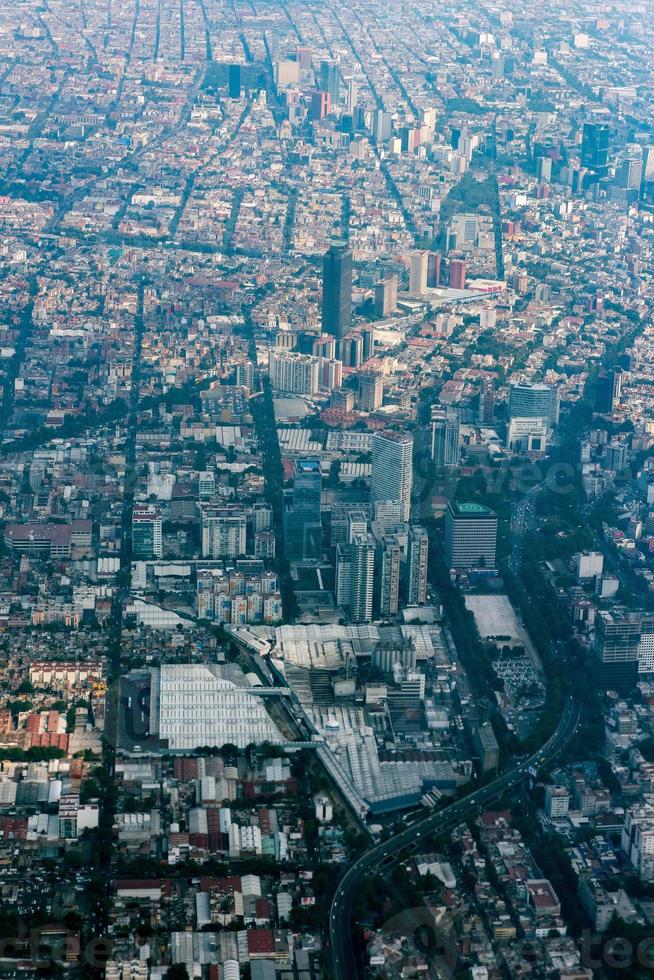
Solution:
(337, 290)
(371, 391)
(302, 520)
(416, 566)
(234, 87)
(445, 437)
(595, 148)
(146, 532)
(388, 563)
(616, 643)
(355, 577)
(386, 296)
(470, 536)
(392, 469)
(363, 578)
(418, 271)
(608, 391)
(330, 76)
(534, 401)
(457, 274)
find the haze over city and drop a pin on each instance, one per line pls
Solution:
(326, 490)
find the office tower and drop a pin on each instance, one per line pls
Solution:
(388, 565)
(629, 174)
(304, 58)
(320, 106)
(616, 645)
(417, 566)
(352, 95)
(392, 469)
(418, 268)
(544, 168)
(234, 86)
(382, 124)
(386, 296)
(363, 578)
(470, 536)
(487, 403)
(595, 148)
(608, 391)
(433, 270)
(303, 520)
(330, 76)
(457, 274)
(224, 531)
(337, 290)
(287, 73)
(147, 541)
(371, 391)
(206, 485)
(445, 437)
(533, 401)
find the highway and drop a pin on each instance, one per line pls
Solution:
(384, 856)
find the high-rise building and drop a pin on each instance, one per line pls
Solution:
(487, 403)
(355, 577)
(234, 85)
(418, 270)
(371, 391)
(433, 269)
(534, 401)
(616, 644)
(457, 274)
(320, 106)
(206, 485)
(595, 148)
(224, 531)
(386, 296)
(147, 541)
(330, 80)
(302, 520)
(352, 95)
(382, 126)
(337, 290)
(363, 578)
(445, 437)
(470, 536)
(608, 391)
(388, 565)
(417, 566)
(392, 469)
(296, 374)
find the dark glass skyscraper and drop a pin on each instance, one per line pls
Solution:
(595, 148)
(302, 520)
(330, 80)
(337, 290)
(234, 81)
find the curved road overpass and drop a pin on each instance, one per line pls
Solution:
(389, 853)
